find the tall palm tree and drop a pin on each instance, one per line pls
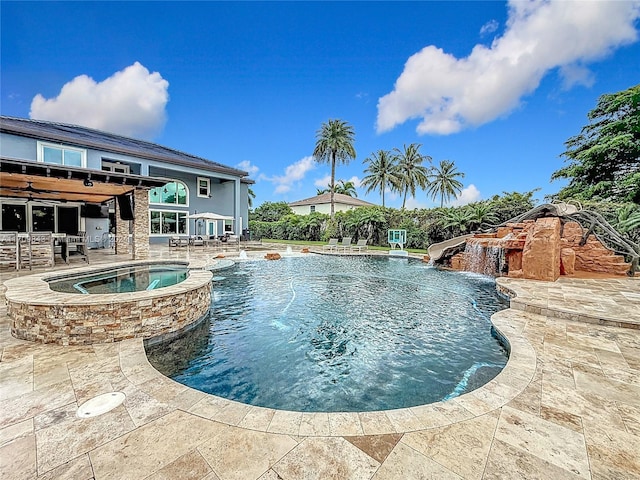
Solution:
(443, 182)
(380, 172)
(252, 195)
(334, 144)
(410, 173)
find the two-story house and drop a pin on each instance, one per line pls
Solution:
(66, 178)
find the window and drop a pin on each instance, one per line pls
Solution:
(14, 217)
(204, 187)
(115, 167)
(173, 193)
(62, 155)
(43, 218)
(312, 208)
(168, 223)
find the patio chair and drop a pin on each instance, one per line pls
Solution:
(360, 246)
(333, 244)
(176, 241)
(196, 241)
(75, 247)
(346, 243)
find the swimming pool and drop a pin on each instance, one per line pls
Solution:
(328, 334)
(124, 279)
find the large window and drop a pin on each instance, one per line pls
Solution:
(38, 217)
(168, 223)
(173, 193)
(62, 155)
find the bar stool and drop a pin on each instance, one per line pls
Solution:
(37, 250)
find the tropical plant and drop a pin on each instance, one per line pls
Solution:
(457, 220)
(511, 204)
(628, 218)
(409, 172)
(443, 181)
(481, 213)
(271, 211)
(368, 221)
(604, 159)
(252, 195)
(380, 173)
(334, 144)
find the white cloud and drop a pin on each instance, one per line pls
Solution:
(355, 180)
(412, 203)
(489, 27)
(248, 167)
(450, 94)
(468, 194)
(576, 75)
(292, 174)
(322, 182)
(390, 195)
(131, 102)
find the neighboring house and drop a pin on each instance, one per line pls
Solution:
(189, 184)
(322, 204)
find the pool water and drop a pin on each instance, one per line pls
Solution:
(123, 279)
(329, 334)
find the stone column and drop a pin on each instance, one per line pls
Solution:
(122, 233)
(141, 224)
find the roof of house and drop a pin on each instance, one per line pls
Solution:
(110, 142)
(326, 198)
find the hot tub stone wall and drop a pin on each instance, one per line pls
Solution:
(73, 319)
(89, 324)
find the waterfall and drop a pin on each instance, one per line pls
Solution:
(484, 258)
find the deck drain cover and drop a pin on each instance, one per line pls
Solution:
(100, 404)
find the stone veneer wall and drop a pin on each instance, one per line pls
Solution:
(140, 238)
(122, 233)
(75, 319)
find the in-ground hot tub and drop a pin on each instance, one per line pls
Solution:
(43, 315)
(121, 279)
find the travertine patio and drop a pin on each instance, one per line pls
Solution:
(566, 406)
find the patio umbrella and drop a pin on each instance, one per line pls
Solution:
(209, 216)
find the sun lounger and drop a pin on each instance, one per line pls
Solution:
(333, 244)
(346, 243)
(360, 246)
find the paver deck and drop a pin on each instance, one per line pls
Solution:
(566, 406)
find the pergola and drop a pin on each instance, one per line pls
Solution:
(43, 181)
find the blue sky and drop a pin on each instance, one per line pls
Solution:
(496, 87)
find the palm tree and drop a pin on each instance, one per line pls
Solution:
(380, 173)
(443, 182)
(345, 188)
(252, 195)
(334, 143)
(409, 172)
